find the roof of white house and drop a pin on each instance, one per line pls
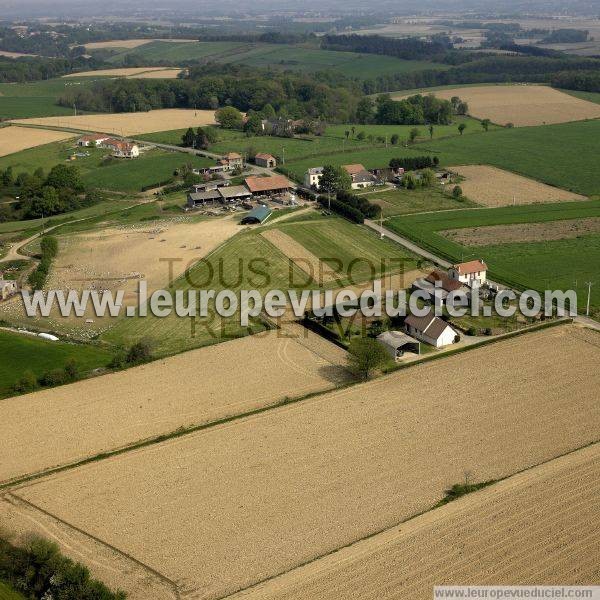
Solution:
(315, 171)
(473, 266)
(430, 325)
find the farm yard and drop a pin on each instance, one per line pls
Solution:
(15, 139)
(269, 480)
(521, 105)
(494, 187)
(548, 513)
(564, 261)
(128, 124)
(101, 414)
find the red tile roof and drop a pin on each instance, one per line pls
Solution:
(448, 284)
(267, 184)
(473, 266)
(264, 156)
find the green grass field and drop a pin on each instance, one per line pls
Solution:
(399, 201)
(555, 264)
(562, 155)
(589, 96)
(275, 56)
(22, 353)
(249, 261)
(119, 175)
(37, 99)
(7, 593)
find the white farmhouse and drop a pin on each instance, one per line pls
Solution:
(312, 177)
(469, 273)
(431, 330)
(121, 149)
(92, 140)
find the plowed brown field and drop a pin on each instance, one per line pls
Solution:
(541, 527)
(236, 504)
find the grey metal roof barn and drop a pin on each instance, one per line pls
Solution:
(258, 215)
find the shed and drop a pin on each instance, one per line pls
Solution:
(257, 216)
(276, 184)
(201, 198)
(397, 343)
(431, 329)
(234, 192)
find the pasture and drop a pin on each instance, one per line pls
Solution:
(97, 170)
(522, 105)
(21, 353)
(476, 539)
(37, 98)
(15, 139)
(563, 263)
(270, 483)
(495, 187)
(128, 124)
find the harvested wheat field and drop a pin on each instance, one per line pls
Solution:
(248, 500)
(319, 271)
(130, 72)
(61, 425)
(495, 187)
(523, 232)
(129, 43)
(522, 105)
(15, 139)
(128, 124)
(541, 527)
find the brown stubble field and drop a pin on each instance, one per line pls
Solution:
(245, 501)
(129, 124)
(62, 425)
(15, 139)
(495, 187)
(521, 105)
(541, 527)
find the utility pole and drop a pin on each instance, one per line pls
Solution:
(283, 155)
(589, 284)
(381, 222)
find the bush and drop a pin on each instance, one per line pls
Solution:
(140, 352)
(26, 383)
(53, 378)
(457, 192)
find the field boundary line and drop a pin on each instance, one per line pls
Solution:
(19, 481)
(411, 518)
(18, 499)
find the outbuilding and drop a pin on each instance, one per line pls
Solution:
(260, 186)
(265, 160)
(397, 343)
(257, 216)
(196, 199)
(431, 330)
(234, 193)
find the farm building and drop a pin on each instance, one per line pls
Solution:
(196, 199)
(440, 280)
(260, 186)
(397, 343)
(232, 160)
(361, 178)
(469, 273)
(431, 329)
(8, 288)
(92, 140)
(312, 177)
(211, 185)
(121, 149)
(257, 216)
(265, 160)
(234, 193)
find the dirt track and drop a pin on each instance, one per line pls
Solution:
(128, 124)
(541, 527)
(15, 139)
(242, 502)
(495, 187)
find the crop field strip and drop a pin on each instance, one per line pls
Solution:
(16, 139)
(537, 527)
(272, 481)
(95, 415)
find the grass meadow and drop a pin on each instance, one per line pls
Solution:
(123, 175)
(556, 264)
(21, 353)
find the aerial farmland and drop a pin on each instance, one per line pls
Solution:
(297, 305)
